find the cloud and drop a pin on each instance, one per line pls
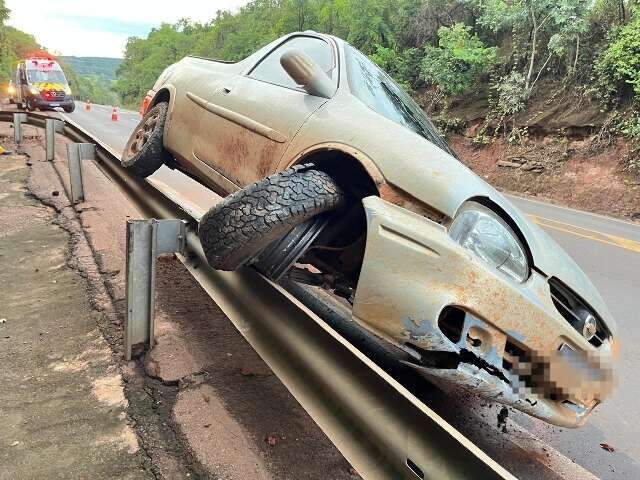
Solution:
(87, 28)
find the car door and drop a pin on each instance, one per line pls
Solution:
(252, 117)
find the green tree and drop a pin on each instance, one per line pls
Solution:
(618, 67)
(459, 61)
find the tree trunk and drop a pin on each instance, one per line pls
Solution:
(534, 41)
(541, 70)
(300, 15)
(575, 61)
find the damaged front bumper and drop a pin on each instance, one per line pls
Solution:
(466, 324)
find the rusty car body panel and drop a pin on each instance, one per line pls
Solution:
(228, 129)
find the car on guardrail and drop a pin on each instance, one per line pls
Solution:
(334, 177)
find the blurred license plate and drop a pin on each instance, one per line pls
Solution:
(54, 104)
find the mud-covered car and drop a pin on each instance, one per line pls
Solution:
(334, 177)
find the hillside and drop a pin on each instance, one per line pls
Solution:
(101, 67)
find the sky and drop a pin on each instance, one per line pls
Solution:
(91, 28)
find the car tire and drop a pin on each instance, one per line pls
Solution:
(29, 106)
(70, 108)
(244, 223)
(144, 153)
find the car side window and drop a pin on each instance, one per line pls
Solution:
(270, 70)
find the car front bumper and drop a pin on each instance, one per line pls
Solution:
(38, 102)
(511, 342)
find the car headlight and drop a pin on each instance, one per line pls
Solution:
(67, 90)
(481, 231)
(34, 90)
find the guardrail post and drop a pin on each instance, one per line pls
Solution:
(146, 239)
(18, 119)
(76, 152)
(52, 126)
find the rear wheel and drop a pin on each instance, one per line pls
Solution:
(145, 152)
(245, 223)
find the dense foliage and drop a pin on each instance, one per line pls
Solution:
(458, 61)
(101, 67)
(502, 48)
(453, 45)
(618, 67)
(93, 78)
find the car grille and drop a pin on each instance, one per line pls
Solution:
(53, 96)
(574, 310)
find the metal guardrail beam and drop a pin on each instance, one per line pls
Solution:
(383, 430)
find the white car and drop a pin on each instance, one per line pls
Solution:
(333, 176)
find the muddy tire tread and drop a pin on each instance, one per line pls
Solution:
(247, 221)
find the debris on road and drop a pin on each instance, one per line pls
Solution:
(607, 447)
(502, 419)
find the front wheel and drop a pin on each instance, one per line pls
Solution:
(69, 108)
(145, 152)
(245, 223)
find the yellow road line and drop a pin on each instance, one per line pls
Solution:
(594, 235)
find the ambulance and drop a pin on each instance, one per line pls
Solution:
(40, 84)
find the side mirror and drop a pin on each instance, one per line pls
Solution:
(305, 72)
(69, 82)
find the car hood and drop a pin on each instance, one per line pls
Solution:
(49, 86)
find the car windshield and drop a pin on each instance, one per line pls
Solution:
(378, 91)
(49, 76)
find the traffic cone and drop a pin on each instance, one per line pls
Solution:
(114, 114)
(87, 106)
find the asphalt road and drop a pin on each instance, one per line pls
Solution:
(606, 248)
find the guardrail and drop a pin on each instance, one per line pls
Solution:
(380, 427)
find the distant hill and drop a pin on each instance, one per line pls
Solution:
(101, 67)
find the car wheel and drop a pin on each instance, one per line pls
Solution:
(70, 108)
(244, 223)
(29, 106)
(145, 152)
